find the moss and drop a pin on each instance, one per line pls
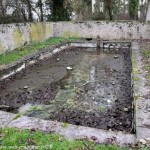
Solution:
(1, 48)
(136, 79)
(70, 34)
(146, 55)
(17, 37)
(34, 32)
(134, 65)
(101, 108)
(48, 30)
(70, 102)
(34, 108)
(39, 31)
(17, 116)
(64, 125)
(136, 97)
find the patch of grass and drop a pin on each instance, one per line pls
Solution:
(17, 139)
(14, 137)
(15, 55)
(146, 52)
(147, 68)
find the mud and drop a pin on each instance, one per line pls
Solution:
(88, 87)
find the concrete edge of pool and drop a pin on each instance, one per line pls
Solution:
(140, 90)
(141, 113)
(69, 132)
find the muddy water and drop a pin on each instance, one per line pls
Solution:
(89, 87)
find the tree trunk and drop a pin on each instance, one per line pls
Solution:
(148, 12)
(83, 10)
(30, 16)
(24, 15)
(110, 12)
(41, 10)
(3, 11)
(133, 9)
(108, 7)
(59, 10)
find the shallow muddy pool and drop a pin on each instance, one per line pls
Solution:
(82, 86)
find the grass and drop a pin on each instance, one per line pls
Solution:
(146, 52)
(11, 138)
(146, 55)
(18, 139)
(18, 53)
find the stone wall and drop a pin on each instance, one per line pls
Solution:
(106, 30)
(17, 35)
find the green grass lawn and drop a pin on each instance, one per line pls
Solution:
(20, 139)
(15, 138)
(12, 56)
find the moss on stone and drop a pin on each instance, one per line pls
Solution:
(48, 30)
(1, 48)
(136, 79)
(70, 34)
(17, 37)
(34, 32)
(136, 97)
(134, 65)
(64, 125)
(39, 31)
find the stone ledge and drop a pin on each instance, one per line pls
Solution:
(140, 90)
(5, 118)
(69, 131)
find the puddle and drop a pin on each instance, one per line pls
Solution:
(83, 86)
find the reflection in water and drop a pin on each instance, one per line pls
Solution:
(93, 83)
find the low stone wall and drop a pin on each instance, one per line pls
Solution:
(106, 30)
(17, 35)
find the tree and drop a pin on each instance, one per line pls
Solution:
(108, 7)
(82, 9)
(60, 10)
(29, 6)
(3, 10)
(133, 9)
(99, 10)
(40, 5)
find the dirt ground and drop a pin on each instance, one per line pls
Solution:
(87, 87)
